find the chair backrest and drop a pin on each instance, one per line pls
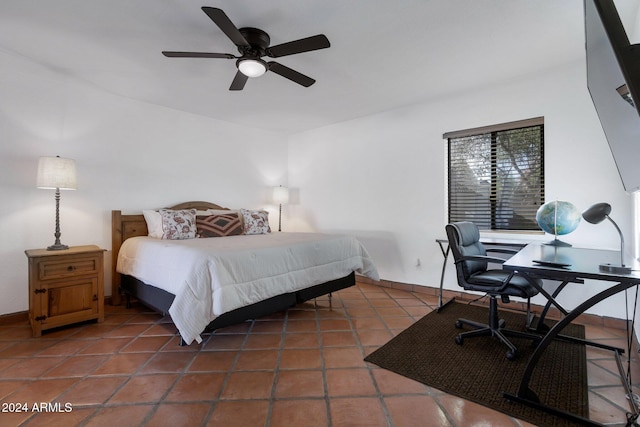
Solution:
(464, 240)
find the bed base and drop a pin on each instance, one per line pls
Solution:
(160, 300)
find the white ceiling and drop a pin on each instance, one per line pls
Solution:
(383, 54)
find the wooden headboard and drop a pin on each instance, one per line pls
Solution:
(126, 226)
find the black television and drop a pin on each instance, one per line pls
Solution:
(613, 79)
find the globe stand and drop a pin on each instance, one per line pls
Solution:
(558, 243)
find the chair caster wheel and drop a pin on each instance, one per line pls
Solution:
(458, 324)
(502, 323)
(458, 339)
(511, 355)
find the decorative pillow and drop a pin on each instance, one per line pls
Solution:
(154, 223)
(178, 224)
(223, 212)
(217, 212)
(227, 224)
(256, 222)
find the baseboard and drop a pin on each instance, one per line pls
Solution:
(23, 316)
(585, 318)
(13, 318)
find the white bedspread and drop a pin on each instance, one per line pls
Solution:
(212, 276)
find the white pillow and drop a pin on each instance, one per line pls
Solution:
(154, 223)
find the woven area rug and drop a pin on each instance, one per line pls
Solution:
(479, 371)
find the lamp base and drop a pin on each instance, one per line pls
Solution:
(57, 247)
(616, 269)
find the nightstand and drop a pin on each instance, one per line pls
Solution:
(65, 286)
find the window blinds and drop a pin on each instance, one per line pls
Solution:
(496, 175)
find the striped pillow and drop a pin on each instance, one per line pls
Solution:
(219, 225)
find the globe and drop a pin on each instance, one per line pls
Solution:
(558, 217)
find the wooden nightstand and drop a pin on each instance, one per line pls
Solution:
(65, 286)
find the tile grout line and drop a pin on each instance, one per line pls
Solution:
(276, 369)
(379, 393)
(323, 367)
(227, 378)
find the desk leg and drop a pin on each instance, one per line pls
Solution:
(527, 396)
(445, 254)
(550, 298)
(541, 327)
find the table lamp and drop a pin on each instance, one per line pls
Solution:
(60, 174)
(280, 196)
(595, 215)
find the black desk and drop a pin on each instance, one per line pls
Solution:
(583, 264)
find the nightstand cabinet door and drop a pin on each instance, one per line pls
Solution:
(70, 298)
(65, 286)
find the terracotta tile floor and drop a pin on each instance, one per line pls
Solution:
(303, 367)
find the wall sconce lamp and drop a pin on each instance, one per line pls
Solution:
(280, 196)
(60, 174)
(595, 215)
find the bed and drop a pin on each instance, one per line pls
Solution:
(226, 280)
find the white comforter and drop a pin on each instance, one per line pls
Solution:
(212, 276)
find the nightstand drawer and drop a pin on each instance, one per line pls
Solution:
(67, 268)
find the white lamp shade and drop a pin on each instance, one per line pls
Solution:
(56, 173)
(252, 67)
(280, 195)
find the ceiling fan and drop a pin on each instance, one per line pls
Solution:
(253, 44)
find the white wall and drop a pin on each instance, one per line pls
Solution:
(129, 156)
(380, 177)
(383, 178)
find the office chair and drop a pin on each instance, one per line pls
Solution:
(471, 261)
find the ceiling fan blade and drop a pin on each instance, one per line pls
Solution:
(170, 54)
(222, 20)
(290, 74)
(238, 81)
(298, 46)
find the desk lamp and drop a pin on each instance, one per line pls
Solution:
(595, 215)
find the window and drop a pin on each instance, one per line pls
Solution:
(496, 175)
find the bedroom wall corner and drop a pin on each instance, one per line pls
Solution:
(387, 184)
(130, 156)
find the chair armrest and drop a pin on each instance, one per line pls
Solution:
(484, 258)
(481, 258)
(502, 250)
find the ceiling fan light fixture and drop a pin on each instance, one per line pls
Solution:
(252, 67)
(253, 44)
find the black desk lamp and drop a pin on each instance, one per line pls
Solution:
(595, 215)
